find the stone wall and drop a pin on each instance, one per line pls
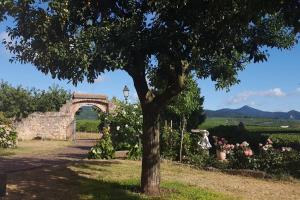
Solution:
(49, 125)
(57, 125)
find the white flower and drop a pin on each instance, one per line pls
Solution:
(124, 112)
(135, 106)
(133, 112)
(118, 128)
(141, 116)
(126, 125)
(245, 144)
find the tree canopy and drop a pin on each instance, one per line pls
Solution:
(18, 102)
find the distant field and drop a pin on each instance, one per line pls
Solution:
(87, 125)
(255, 124)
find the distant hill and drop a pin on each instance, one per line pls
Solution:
(247, 111)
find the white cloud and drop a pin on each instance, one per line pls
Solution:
(298, 89)
(100, 79)
(244, 96)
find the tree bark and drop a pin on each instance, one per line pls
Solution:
(150, 179)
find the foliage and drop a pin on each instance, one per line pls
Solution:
(104, 148)
(51, 99)
(188, 104)
(18, 102)
(234, 134)
(269, 159)
(203, 159)
(135, 152)
(4, 120)
(170, 144)
(84, 125)
(286, 140)
(125, 125)
(241, 157)
(8, 137)
(221, 144)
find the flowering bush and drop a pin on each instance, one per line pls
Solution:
(222, 145)
(8, 137)
(104, 148)
(241, 157)
(125, 125)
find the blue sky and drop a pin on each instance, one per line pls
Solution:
(271, 86)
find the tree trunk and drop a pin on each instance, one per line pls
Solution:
(182, 134)
(150, 179)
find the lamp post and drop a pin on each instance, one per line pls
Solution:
(126, 93)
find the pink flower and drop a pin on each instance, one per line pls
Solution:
(269, 141)
(248, 153)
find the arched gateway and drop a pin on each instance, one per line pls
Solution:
(60, 125)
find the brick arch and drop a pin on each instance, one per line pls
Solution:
(80, 100)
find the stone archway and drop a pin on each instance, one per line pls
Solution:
(60, 125)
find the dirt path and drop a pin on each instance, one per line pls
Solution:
(46, 175)
(63, 155)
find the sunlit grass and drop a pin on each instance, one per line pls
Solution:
(120, 180)
(34, 147)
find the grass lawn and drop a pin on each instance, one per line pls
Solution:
(120, 180)
(34, 147)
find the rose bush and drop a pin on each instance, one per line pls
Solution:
(125, 125)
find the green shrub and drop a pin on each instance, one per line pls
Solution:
(202, 159)
(135, 153)
(170, 143)
(236, 134)
(286, 140)
(104, 148)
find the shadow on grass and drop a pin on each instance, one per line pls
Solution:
(100, 189)
(60, 182)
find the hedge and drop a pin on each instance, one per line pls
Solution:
(286, 140)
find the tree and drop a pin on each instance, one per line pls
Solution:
(18, 102)
(50, 100)
(214, 39)
(184, 105)
(15, 102)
